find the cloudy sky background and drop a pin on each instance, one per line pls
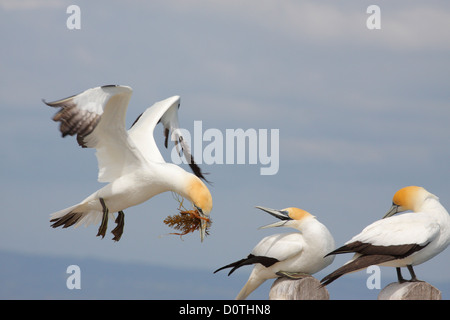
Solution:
(361, 113)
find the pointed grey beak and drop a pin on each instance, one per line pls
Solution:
(202, 229)
(280, 214)
(393, 210)
(203, 224)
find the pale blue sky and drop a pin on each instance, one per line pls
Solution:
(361, 113)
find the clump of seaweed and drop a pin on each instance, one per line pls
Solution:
(186, 221)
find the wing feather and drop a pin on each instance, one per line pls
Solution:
(408, 228)
(270, 250)
(280, 246)
(97, 117)
(166, 113)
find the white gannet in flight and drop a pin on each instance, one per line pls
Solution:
(294, 254)
(402, 241)
(128, 160)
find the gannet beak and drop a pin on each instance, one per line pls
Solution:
(393, 210)
(283, 215)
(202, 230)
(203, 224)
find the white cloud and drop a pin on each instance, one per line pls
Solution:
(403, 27)
(30, 4)
(418, 27)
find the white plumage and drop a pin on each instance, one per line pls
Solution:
(399, 230)
(129, 161)
(281, 246)
(300, 253)
(400, 241)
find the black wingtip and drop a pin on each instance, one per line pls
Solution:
(220, 269)
(137, 119)
(50, 104)
(358, 264)
(232, 265)
(198, 172)
(329, 279)
(166, 137)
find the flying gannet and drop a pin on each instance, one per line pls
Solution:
(129, 161)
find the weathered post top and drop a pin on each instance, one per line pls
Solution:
(410, 291)
(307, 288)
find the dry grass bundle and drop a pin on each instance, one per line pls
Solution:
(186, 221)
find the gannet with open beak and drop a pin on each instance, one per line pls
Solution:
(128, 160)
(401, 241)
(295, 254)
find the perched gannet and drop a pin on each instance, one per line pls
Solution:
(290, 254)
(129, 160)
(401, 241)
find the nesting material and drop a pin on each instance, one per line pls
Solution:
(186, 221)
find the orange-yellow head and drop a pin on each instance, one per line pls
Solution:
(199, 195)
(408, 198)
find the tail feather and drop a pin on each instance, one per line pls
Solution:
(59, 215)
(74, 216)
(233, 265)
(357, 264)
(251, 259)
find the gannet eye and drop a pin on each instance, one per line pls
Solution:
(198, 208)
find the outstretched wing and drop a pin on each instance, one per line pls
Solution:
(166, 113)
(97, 117)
